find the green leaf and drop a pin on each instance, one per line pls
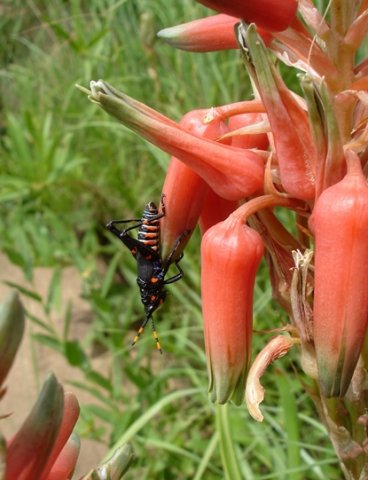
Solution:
(75, 354)
(49, 341)
(25, 291)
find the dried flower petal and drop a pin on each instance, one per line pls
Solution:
(276, 348)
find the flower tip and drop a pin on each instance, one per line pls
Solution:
(97, 87)
(174, 36)
(168, 33)
(207, 34)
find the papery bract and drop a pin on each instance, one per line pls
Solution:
(277, 347)
(271, 15)
(340, 312)
(231, 252)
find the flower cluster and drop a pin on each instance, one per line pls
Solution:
(233, 163)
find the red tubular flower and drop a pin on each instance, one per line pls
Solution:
(271, 15)
(203, 35)
(232, 172)
(184, 190)
(230, 252)
(340, 225)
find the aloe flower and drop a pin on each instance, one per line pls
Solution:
(258, 11)
(340, 225)
(232, 172)
(232, 247)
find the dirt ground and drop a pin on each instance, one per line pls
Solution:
(34, 361)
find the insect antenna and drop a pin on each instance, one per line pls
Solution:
(155, 336)
(140, 330)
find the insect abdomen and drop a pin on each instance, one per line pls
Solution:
(149, 231)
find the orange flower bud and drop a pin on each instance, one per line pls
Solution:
(340, 225)
(184, 190)
(231, 253)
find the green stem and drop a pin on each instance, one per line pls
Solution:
(229, 460)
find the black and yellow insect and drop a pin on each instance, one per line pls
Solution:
(151, 268)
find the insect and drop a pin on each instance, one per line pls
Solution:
(151, 268)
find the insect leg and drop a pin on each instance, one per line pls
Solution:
(179, 275)
(168, 260)
(113, 229)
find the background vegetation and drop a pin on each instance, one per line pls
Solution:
(66, 169)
